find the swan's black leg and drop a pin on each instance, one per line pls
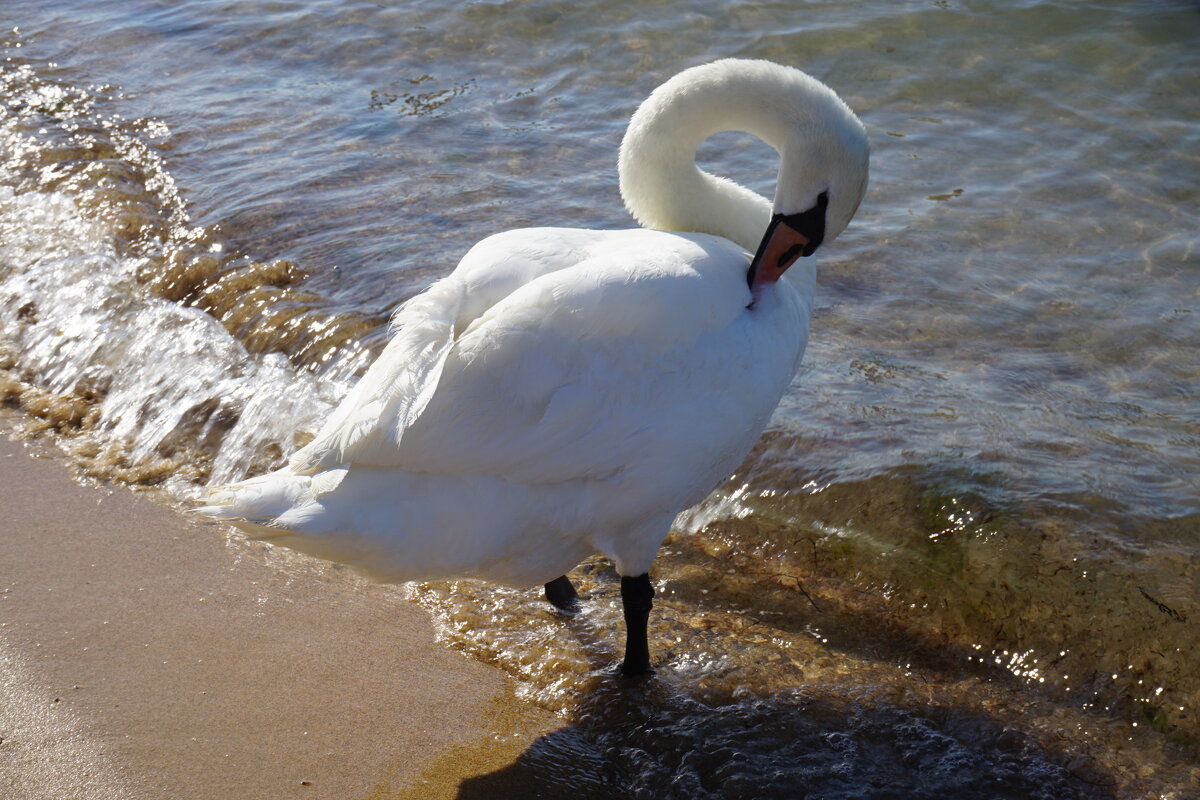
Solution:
(637, 595)
(561, 593)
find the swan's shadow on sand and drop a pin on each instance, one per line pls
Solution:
(653, 738)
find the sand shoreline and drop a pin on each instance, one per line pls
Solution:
(144, 655)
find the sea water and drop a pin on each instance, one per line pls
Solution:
(962, 561)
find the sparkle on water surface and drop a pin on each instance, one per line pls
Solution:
(963, 560)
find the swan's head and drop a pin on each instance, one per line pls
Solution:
(823, 161)
(822, 174)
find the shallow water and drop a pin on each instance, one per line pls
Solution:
(963, 560)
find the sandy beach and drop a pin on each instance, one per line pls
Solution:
(144, 655)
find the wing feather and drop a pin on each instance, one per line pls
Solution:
(396, 388)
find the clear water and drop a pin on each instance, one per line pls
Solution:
(963, 560)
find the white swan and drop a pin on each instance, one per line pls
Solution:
(563, 391)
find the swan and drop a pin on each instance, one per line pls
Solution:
(564, 392)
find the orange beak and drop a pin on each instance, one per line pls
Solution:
(781, 246)
(788, 237)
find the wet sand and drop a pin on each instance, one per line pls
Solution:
(143, 655)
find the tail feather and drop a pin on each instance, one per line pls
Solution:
(256, 505)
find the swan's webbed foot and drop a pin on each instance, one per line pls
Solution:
(637, 595)
(561, 593)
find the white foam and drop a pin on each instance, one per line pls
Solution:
(76, 318)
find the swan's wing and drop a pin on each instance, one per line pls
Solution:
(399, 384)
(581, 372)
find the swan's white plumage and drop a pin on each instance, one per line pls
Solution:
(566, 391)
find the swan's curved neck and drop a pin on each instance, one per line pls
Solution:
(660, 183)
(823, 151)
